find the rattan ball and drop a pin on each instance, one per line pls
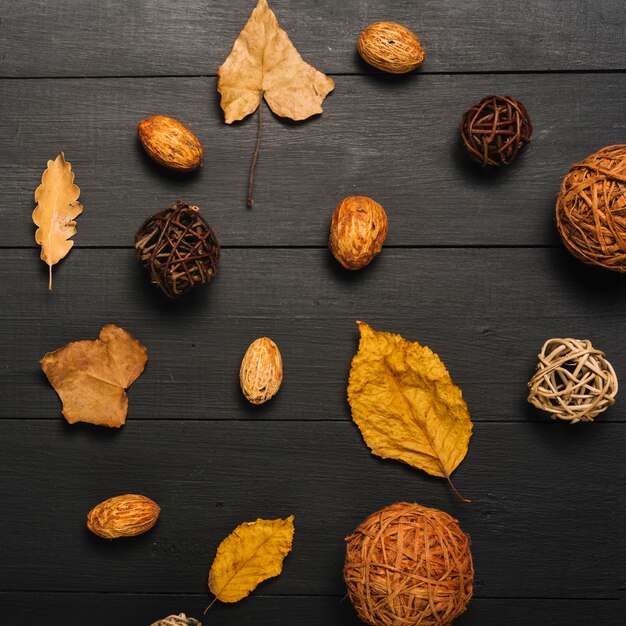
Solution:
(178, 248)
(574, 382)
(591, 209)
(177, 620)
(495, 129)
(409, 565)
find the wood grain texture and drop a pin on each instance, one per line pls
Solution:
(534, 529)
(116, 37)
(392, 139)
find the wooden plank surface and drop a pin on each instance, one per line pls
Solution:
(485, 311)
(118, 37)
(395, 140)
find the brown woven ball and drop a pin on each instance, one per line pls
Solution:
(591, 209)
(177, 620)
(573, 382)
(408, 565)
(495, 129)
(179, 249)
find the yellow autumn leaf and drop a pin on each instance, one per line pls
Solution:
(406, 405)
(56, 211)
(264, 63)
(252, 553)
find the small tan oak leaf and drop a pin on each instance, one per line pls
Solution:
(91, 377)
(56, 211)
(406, 405)
(123, 516)
(252, 553)
(264, 63)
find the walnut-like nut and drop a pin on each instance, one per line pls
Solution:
(358, 230)
(123, 516)
(391, 47)
(261, 371)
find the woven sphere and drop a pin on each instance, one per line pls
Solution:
(495, 129)
(591, 209)
(408, 565)
(177, 620)
(178, 248)
(573, 382)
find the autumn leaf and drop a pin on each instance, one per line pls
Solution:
(406, 405)
(91, 377)
(265, 64)
(252, 553)
(56, 211)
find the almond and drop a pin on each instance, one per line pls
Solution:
(123, 516)
(391, 47)
(170, 143)
(261, 371)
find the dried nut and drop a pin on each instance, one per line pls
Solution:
(123, 516)
(170, 143)
(261, 371)
(391, 47)
(357, 231)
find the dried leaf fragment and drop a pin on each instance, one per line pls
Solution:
(252, 553)
(91, 377)
(56, 211)
(406, 405)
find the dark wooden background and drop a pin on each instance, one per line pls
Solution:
(472, 267)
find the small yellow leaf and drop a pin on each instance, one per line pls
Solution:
(406, 405)
(264, 63)
(56, 211)
(252, 553)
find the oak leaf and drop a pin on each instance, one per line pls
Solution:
(56, 211)
(91, 377)
(406, 405)
(252, 553)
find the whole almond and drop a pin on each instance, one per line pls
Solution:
(358, 230)
(170, 143)
(391, 47)
(261, 371)
(123, 516)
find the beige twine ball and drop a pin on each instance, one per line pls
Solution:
(409, 565)
(573, 382)
(177, 620)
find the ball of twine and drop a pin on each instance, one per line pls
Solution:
(495, 129)
(177, 620)
(573, 382)
(409, 565)
(591, 209)
(178, 248)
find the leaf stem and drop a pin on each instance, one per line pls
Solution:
(255, 155)
(210, 605)
(461, 498)
(49, 277)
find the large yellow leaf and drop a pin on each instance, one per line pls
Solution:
(264, 63)
(252, 553)
(406, 405)
(57, 208)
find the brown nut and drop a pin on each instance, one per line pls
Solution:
(358, 230)
(170, 143)
(261, 371)
(391, 47)
(123, 516)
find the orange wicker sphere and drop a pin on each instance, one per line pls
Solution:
(591, 209)
(409, 565)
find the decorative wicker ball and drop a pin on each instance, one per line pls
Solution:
(495, 129)
(179, 249)
(177, 620)
(591, 209)
(408, 565)
(573, 382)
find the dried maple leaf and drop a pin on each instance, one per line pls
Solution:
(56, 211)
(265, 64)
(252, 553)
(91, 377)
(406, 405)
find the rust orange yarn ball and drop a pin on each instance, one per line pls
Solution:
(409, 565)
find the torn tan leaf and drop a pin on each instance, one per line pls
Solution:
(56, 211)
(91, 377)
(406, 405)
(264, 62)
(252, 553)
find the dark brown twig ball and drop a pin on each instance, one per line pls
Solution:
(179, 249)
(495, 129)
